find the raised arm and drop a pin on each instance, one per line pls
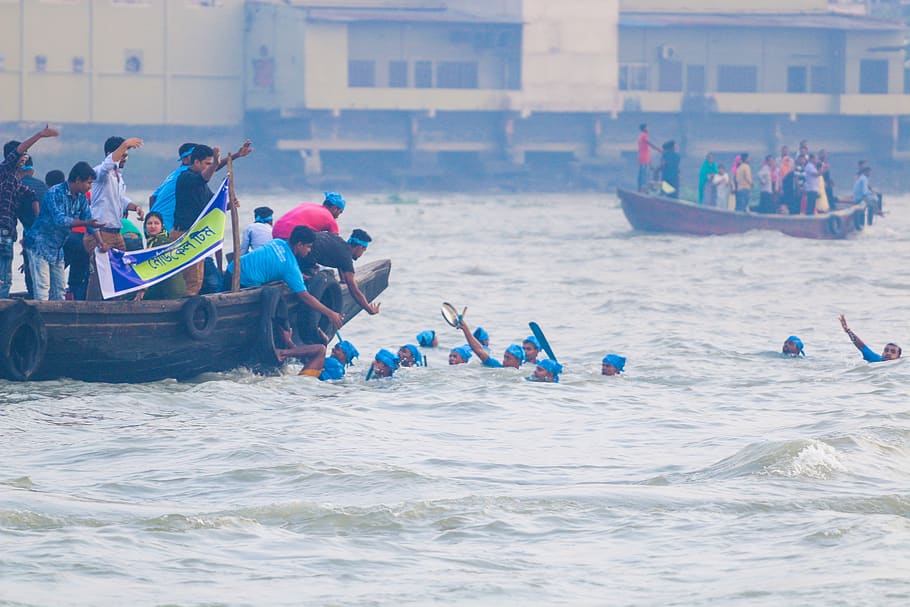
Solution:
(357, 294)
(472, 341)
(853, 337)
(208, 172)
(127, 145)
(47, 131)
(244, 150)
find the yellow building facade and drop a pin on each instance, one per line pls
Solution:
(152, 62)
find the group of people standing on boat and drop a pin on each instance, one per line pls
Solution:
(791, 184)
(65, 220)
(798, 184)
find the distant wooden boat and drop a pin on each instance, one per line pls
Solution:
(140, 341)
(660, 214)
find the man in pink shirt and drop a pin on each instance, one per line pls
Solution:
(644, 157)
(317, 217)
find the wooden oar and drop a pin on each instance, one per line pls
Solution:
(538, 333)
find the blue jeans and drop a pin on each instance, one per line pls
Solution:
(49, 278)
(6, 264)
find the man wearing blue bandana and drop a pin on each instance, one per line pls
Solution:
(409, 356)
(164, 198)
(385, 364)
(531, 347)
(331, 370)
(483, 337)
(612, 364)
(257, 233)
(427, 339)
(331, 251)
(513, 357)
(318, 217)
(546, 371)
(793, 346)
(278, 260)
(460, 355)
(345, 352)
(892, 351)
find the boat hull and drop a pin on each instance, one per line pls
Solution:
(660, 214)
(140, 341)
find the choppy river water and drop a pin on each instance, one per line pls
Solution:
(713, 472)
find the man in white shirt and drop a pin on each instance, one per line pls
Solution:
(109, 203)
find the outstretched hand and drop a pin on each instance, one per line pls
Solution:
(843, 323)
(47, 131)
(244, 150)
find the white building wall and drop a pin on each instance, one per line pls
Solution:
(190, 54)
(569, 56)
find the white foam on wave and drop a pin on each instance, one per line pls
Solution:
(815, 459)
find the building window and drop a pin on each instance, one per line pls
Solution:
(361, 73)
(873, 76)
(423, 74)
(40, 63)
(737, 78)
(456, 75)
(670, 76)
(633, 77)
(398, 74)
(78, 64)
(819, 79)
(797, 79)
(695, 79)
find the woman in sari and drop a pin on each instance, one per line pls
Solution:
(705, 180)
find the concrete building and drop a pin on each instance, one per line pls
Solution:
(770, 74)
(467, 81)
(138, 62)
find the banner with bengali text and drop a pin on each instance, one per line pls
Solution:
(121, 272)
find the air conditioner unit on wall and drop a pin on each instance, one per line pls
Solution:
(668, 53)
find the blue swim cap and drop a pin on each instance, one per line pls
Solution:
(387, 358)
(616, 360)
(530, 339)
(425, 338)
(418, 357)
(334, 198)
(517, 351)
(481, 334)
(332, 369)
(349, 351)
(551, 366)
(463, 351)
(797, 341)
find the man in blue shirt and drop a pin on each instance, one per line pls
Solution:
(279, 260)
(65, 206)
(891, 352)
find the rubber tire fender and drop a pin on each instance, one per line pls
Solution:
(859, 219)
(23, 342)
(273, 316)
(326, 289)
(199, 317)
(835, 225)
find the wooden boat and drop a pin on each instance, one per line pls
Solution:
(140, 341)
(660, 214)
